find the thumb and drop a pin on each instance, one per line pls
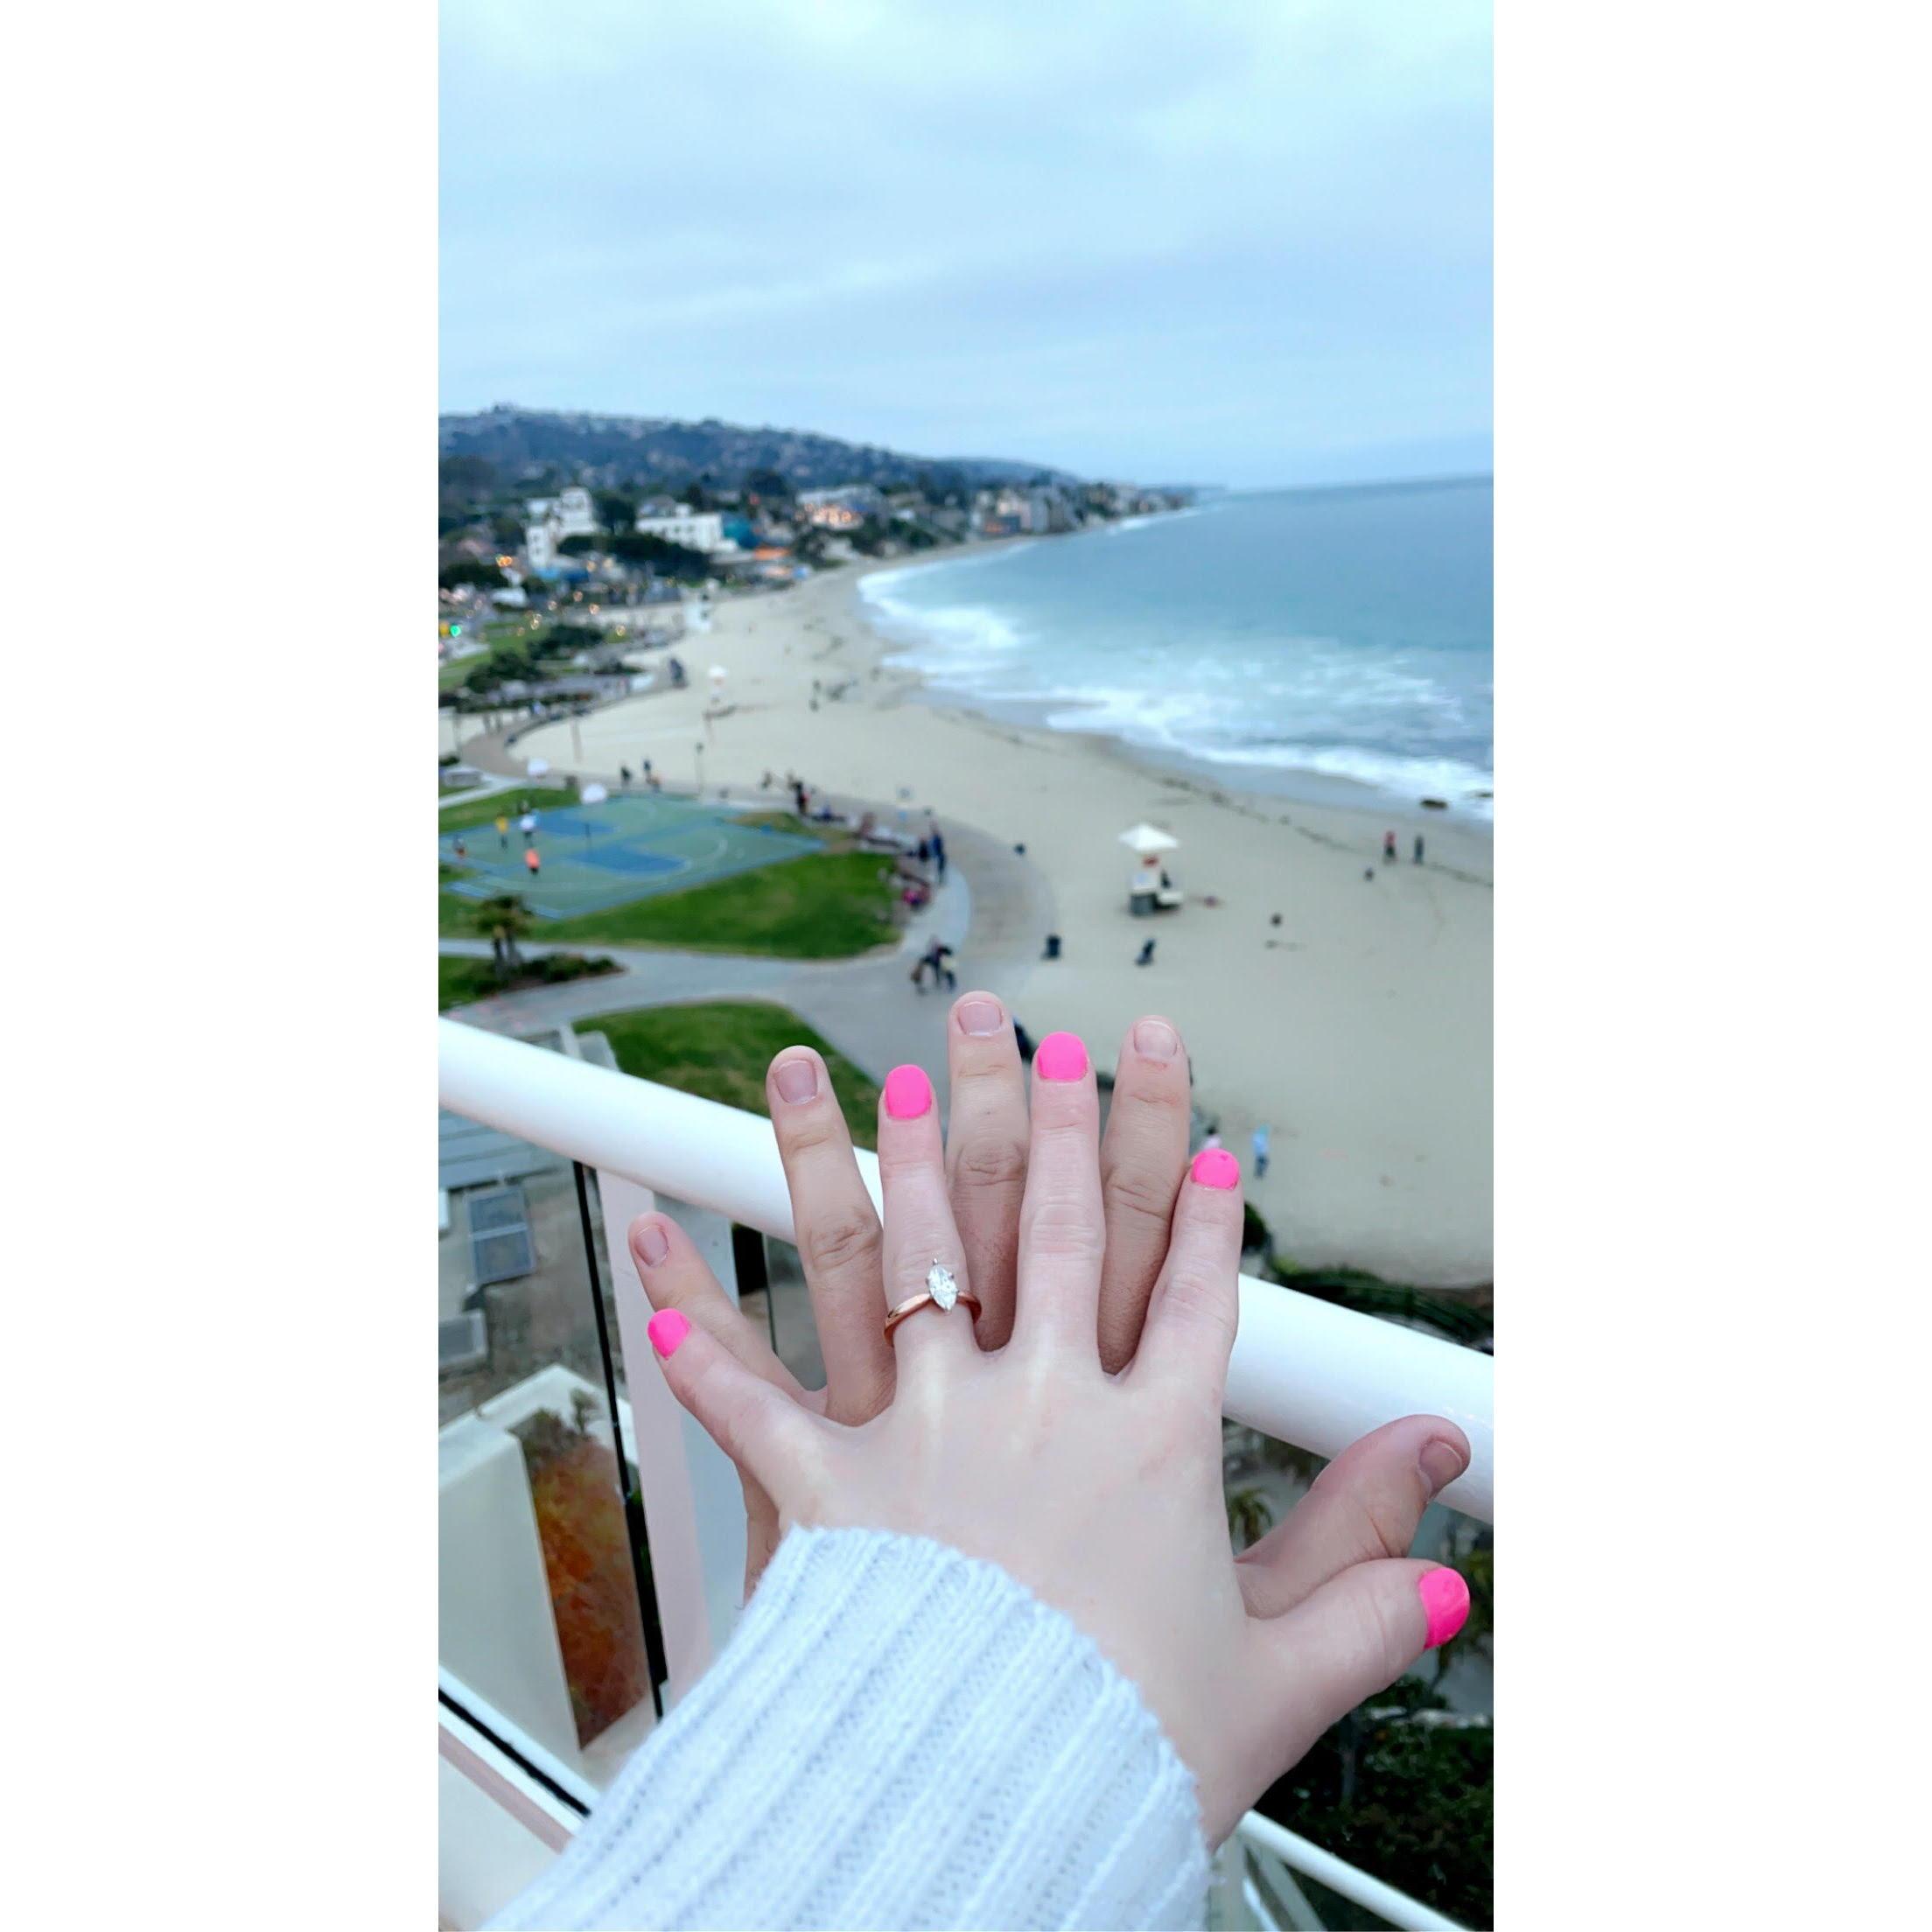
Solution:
(1357, 1634)
(764, 1431)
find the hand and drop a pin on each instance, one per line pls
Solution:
(1102, 1492)
(838, 1232)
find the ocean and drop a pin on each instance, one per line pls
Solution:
(1304, 642)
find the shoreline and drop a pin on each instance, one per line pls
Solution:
(1358, 1027)
(1262, 785)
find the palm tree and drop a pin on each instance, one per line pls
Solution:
(506, 920)
(1249, 1517)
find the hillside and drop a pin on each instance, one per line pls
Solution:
(626, 449)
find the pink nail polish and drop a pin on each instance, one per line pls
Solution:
(908, 1093)
(666, 1328)
(1446, 1603)
(1060, 1056)
(1217, 1167)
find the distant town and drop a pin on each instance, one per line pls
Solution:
(602, 538)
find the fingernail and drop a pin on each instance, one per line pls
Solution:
(1061, 1056)
(1156, 1038)
(980, 1017)
(1446, 1603)
(797, 1080)
(652, 1246)
(908, 1093)
(1441, 1464)
(666, 1328)
(1217, 1167)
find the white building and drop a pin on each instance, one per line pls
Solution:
(552, 519)
(695, 529)
(570, 510)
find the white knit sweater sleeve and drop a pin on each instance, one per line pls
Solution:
(896, 1736)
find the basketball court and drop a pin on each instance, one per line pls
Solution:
(633, 846)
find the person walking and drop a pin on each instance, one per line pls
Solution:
(939, 852)
(503, 829)
(1260, 1139)
(1388, 847)
(533, 860)
(1419, 848)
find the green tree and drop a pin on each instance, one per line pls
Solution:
(507, 919)
(480, 571)
(768, 486)
(1250, 1516)
(616, 511)
(578, 546)
(643, 551)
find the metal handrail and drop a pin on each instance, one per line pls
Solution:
(1303, 1371)
(1300, 1854)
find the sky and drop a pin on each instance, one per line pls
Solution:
(1233, 242)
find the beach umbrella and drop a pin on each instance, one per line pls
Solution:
(1149, 841)
(537, 767)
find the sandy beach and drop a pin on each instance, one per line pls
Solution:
(1360, 1028)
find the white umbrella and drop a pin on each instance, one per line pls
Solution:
(719, 674)
(537, 767)
(1149, 840)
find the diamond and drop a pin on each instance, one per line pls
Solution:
(941, 1285)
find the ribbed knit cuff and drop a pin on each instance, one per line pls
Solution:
(896, 1736)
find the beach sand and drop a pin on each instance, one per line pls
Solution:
(1360, 1028)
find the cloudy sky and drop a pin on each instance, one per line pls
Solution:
(1244, 242)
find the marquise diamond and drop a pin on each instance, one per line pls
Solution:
(941, 1285)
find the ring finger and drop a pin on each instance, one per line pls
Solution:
(920, 1231)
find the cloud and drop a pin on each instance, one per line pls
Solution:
(1227, 241)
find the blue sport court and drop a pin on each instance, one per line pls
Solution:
(629, 847)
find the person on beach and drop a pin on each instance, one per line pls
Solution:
(965, 1545)
(1388, 847)
(939, 852)
(533, 861)
(1260, 1139)
(1419, 848)
(1146, 956)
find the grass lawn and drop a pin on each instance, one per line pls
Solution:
(721, 1048)
(483, 811)
(825, 905)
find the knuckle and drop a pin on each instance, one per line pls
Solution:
(806, 1130)
(989, 1161)
(1065, 1229)
(1141, 1191)
(839, 1242)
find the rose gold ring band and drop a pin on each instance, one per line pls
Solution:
(913, 1304)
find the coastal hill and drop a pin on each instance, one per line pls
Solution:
(614, 449)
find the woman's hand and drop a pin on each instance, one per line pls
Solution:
(838, 1232)
(1101, 1492)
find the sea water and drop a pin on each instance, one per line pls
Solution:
(1308, 642)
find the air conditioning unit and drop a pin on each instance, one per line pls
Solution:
(462, 1342)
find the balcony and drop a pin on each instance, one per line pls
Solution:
(591, 1535)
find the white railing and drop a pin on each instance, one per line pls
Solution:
(1303, 1371)
(1261, 1859)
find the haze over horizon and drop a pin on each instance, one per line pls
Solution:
(1233, 245)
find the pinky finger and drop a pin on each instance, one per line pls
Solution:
(763, 1431)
